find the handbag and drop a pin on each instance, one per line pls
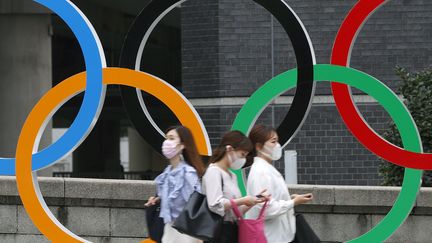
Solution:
(304, 233)
(197, 220)
(155, 224)
(250, 230)
(229, 233)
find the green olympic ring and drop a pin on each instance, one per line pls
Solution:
(386, 97)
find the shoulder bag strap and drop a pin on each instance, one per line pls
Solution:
(261, 214)
(235, 209)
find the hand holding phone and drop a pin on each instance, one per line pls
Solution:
(263, 196)
(304, 198)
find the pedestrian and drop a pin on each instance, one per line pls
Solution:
(280, 221)
(178, 181)
(220, 184)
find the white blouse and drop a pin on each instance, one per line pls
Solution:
(279, 214)
(218, 200)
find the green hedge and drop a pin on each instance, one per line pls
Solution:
(416, 89)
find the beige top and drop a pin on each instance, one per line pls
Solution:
(212, 188)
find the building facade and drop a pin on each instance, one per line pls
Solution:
(217, 52)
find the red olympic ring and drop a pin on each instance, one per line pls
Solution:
(345, 105)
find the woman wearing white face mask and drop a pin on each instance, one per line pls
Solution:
(220, 184)
(280, 226)
(178, 181)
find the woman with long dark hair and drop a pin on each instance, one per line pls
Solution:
(178, 181)
(280, 226)
(220, 184)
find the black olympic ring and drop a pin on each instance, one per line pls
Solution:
(152, 13)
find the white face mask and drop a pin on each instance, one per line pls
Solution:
(236, 163)
(275, 153)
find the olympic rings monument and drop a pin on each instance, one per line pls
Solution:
(86, 210)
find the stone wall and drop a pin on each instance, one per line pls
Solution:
(112, 210)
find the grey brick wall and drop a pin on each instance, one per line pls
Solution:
(396, 34)
(244, 47)
(327, 153)
(199, 47)
(227, 44)
(237, 46)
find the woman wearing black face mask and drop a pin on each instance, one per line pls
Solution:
(220, 184)
(280, 226)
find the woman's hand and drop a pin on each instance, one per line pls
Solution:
(301, 199)
(251, 201)
(263, 195)
(152, 201)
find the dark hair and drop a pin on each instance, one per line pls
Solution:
(234, 138)
(259, 135)
(190, 152)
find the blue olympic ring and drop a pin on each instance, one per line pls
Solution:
(93, 96)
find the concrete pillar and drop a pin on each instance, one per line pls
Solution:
(25, 69)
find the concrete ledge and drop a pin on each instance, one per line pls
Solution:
(366, 196)
(108, 189)
(49, 186)
(41, 239)
(83, 192)
(133, 193)
(424, 199)
(113, 210)
(323, 195)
